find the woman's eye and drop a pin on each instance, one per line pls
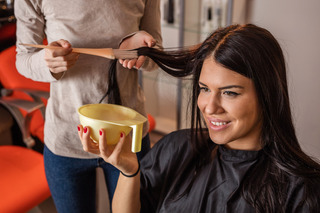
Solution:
(204, 89)
(230, 93)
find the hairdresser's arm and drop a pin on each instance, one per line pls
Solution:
(39, 65)
(150, 23)
(30, 29)
(127, 194)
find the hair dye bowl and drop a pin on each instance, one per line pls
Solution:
(114, 119)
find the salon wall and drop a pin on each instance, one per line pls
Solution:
(296, 25)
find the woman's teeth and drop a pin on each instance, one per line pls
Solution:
(218, 123)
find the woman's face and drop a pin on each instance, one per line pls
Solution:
(229, 105)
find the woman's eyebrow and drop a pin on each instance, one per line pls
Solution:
(226, 87)
(202, 84)
(231, 86)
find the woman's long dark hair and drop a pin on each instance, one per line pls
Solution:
(252, 52)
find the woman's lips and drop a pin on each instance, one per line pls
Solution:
(217, 124)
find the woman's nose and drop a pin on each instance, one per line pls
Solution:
(213, 106)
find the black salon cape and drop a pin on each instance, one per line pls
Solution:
(216, 189)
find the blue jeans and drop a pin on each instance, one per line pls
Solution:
(72, 181)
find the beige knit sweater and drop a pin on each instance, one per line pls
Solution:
(84, 23)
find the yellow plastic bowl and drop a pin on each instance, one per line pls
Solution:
(114, 119)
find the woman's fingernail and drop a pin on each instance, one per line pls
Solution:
(121, 135)
(78, 128)
(85, 130)
(100, 132)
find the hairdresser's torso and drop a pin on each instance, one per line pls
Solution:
(90, 24)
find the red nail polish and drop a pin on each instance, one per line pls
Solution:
(78, 128)
(100, 132)
(121, 135)
(85, 130)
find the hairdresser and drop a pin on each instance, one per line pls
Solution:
(240, 155)
(76, 80)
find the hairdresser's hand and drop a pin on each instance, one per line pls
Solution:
(119, 155)
(140, 39)
(60, 60)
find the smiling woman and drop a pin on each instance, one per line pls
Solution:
(229, 105)
(245, 159)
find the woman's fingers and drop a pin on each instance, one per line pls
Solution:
(139, 39)
(87, 143)
(133, 63)
(69, 57)
(80, 132)
(63, 43)
(60, 60)
(60, 64)
(105, 150)
(128, 63)
(118, 155)
(61, 51)
(119, 147)
(150, 41)
(140, 62)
